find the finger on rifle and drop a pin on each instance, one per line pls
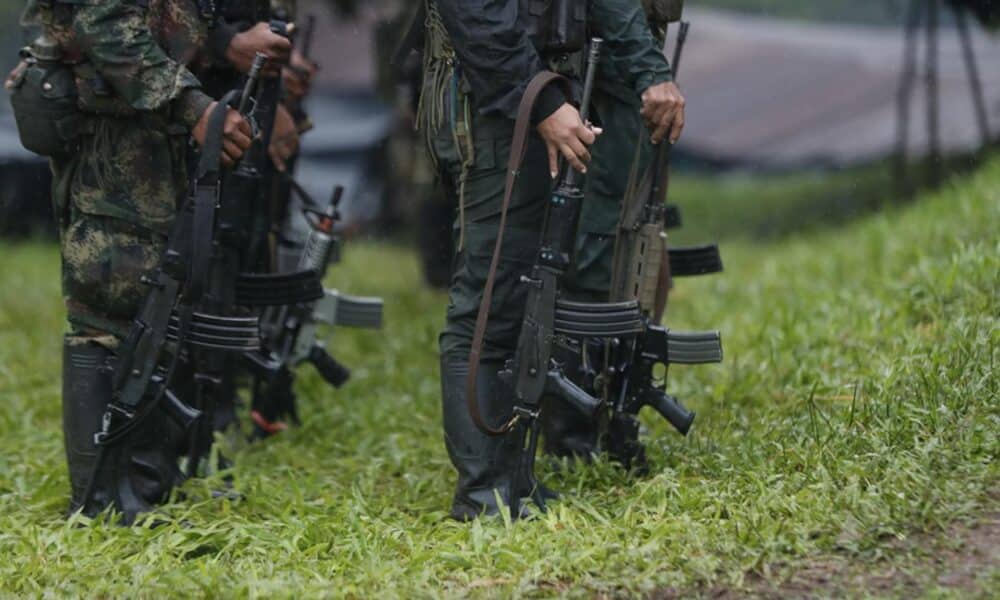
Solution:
(227, 161)
(281, 49)
(580, 149)
(586, 135)
(243, 126)
(662, 125)
(677, 128)
(276, 158)
(574, 160)
(243, 140)
(232, 150)
(553, 159)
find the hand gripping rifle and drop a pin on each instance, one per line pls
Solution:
(177, 313)
(290, 332)
(548, 319)
(233, 285)
(643, 268)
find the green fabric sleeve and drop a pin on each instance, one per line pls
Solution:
(115, 37)
(632, 51)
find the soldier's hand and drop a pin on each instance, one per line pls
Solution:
(236, 134)
(284, 140)
(259, 38)
(14, 75)
(566, 134)
(298, 75)
(663, 111)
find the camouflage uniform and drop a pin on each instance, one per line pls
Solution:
(116, 198)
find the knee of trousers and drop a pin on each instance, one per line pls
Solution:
(589, 279)
(103, 262)
(472, 267)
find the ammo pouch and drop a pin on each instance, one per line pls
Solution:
(44, 98)
(556, 26)
(96, 96)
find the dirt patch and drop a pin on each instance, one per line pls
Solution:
(963, 559)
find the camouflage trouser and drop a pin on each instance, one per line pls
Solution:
(115, 201)
(606, 181)
(476, 231)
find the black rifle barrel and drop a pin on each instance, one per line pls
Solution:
(593, 57)
(305, 48)
(252, 78)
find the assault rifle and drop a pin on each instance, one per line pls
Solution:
(178, 314)
(548, 319)
(643, 268)
(290, 332)
(234, 284)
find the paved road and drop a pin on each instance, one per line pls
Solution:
(779, 93)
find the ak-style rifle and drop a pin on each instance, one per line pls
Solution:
(291, 332)
(183, 309)
(643, 271)
(548, 319)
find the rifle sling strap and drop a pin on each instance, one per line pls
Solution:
(519, 145)
(206, 188)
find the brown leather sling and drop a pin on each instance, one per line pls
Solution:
(519, 145)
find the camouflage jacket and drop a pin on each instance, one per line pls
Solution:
(139, 50)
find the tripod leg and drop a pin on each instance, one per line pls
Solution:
(975, 83)
(933, 96)
(904, 98)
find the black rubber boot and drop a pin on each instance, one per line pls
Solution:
(566, 432)
(621, 441)
(131, 476)
(485, 464)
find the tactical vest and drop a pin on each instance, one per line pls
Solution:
(554, 26)
(557, 29)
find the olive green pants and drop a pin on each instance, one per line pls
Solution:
(478, 189)
(607, 179)
(115, 201)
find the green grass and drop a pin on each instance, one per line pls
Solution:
(857, 406)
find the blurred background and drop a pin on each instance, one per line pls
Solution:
(802, 114)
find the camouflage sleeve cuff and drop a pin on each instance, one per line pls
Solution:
(190, 105)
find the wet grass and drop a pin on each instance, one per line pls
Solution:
(857, 406)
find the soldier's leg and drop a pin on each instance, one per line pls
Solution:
(105, 252)
(485, 464)
(566, 432)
